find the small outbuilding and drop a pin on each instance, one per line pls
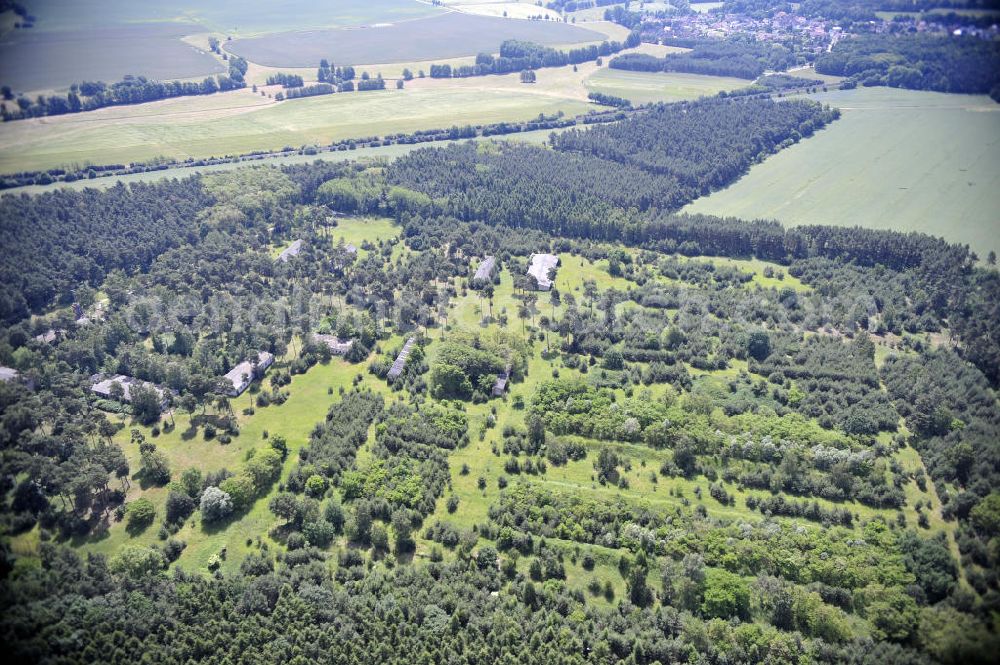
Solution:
(500, 386)
(9, 374)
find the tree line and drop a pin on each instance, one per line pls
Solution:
(88, 96)
(740, 58)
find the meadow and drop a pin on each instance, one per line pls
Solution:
(646, 87)
(897, 159)
(444, 36)
(221, 125)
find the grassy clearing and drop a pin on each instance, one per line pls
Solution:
(911, 161)
(646, 87)
(355, 231)
(115, 138)
(759, 268)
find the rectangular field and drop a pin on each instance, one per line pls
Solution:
(32, 60)
(646, 87)
(897, 159)
(449, 35)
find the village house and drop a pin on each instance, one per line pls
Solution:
(49, 336)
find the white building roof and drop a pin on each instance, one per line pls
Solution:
(540, 266)
(337, 346)
(242, 375)
(485, 269)
(400, 362)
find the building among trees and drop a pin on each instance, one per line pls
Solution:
(337, 346)
(484, 273)
(501, 383)
(290, 251)
(542, 268)
(244, 373)
(399, 364)
(120, 388)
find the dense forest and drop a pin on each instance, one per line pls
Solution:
(711, 440)
(734, 57)
(918, 62)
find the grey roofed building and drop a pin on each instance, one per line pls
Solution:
(540, 266)
(243, 375)
(501, 383)
(337, 346)
(102, 387)
(484, 272)
(49, 336)
(8, 374)
(350, 249)
(290, 251)
(400, 362)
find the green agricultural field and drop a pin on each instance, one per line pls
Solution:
(115, 136)
(46, 60)
(897, 159)
(646, 87)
